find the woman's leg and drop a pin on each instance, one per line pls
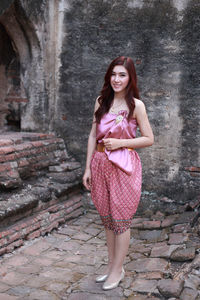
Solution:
(121, 243)
(110, 240)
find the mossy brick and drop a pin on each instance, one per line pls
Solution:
(7, 157)
(23, 162)
(6, 142)
(33, 234)
(5, 167)
(3, 242)
(22, 147)
(6, 150)
(37, 144)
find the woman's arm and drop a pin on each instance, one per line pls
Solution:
(90, 149)
(146, 139)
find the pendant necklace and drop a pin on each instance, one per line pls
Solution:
(113, 109)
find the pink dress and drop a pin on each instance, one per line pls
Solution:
(116, 175)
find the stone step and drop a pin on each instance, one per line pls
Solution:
(39, 187)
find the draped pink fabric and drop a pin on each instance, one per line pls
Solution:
(117, 126)
(116, 176)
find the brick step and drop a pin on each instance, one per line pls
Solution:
(36, 195)
(24, 155)
(33, 216)
(40, 187)
(13, 138)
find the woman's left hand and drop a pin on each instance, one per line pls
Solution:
(112, 144)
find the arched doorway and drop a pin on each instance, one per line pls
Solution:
(12, 93)
(23, 95)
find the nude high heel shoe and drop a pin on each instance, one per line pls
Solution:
(101, 278)
(113, 285)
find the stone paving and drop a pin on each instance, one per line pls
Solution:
(163, 262)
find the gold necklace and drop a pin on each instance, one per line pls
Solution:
(114, 108)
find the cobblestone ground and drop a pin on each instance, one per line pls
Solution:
(163, 262)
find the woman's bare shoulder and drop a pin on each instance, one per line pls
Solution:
(139, 103)
(139, 107)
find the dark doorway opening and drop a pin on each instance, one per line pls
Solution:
(11, 89)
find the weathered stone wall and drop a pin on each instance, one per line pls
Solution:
(5, 5)
(19, 27)
(162, 38)
(64, 48)
(35, 29)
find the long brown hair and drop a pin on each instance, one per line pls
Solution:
(107, 93)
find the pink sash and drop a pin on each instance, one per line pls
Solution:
(117, 126)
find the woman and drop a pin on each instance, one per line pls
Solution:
(113, 167)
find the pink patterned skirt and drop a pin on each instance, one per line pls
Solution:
(115, 194)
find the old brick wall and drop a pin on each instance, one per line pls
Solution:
(64, 48)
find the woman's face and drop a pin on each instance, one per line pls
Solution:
(119, 79)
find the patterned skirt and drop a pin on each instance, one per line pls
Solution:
(115, 194)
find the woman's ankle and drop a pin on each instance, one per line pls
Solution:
(117, 269)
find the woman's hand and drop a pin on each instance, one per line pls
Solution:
(112, 144)
(87, 179)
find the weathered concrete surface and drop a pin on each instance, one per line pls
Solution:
(5, 5)
(64, 264)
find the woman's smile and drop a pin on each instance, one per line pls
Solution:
(119, 78)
